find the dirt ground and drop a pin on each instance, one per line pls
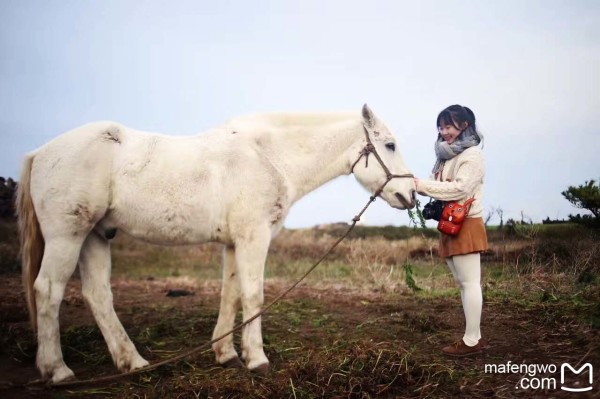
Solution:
(322, 342)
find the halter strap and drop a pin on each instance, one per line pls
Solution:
(368, 149)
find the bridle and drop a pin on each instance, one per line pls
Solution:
(368, 149)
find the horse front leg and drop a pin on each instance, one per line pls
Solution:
(230, 300)
(250, 255)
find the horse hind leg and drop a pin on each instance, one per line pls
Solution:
(58, 264)
(95, 269)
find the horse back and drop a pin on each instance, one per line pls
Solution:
(159, 188)
(192, 189)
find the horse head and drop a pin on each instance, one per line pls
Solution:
(379, 161)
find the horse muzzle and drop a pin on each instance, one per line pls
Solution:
(407, 203)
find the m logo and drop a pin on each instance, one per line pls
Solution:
(562, 377)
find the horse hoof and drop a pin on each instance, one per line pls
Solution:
(67, 380)
(63, 374)
(261, 369)
(233, 363)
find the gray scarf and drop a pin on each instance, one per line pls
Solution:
(444, 151)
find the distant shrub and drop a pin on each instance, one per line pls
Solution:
(563, 230)
(8, 188)
(555, 221)
(574, 254)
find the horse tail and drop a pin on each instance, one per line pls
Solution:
(32, 240)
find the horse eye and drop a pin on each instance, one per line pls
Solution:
(390, 146)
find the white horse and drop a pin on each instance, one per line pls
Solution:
(233, 184)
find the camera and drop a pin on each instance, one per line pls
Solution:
(433, 210)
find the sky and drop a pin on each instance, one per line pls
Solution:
(530, 70)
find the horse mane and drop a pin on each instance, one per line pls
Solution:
(293, 120)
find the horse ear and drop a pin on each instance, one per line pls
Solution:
(368, 116)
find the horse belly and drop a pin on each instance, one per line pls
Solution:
(161, 193)
(174, 221)
(167, 228)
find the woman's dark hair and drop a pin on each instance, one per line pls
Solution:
(456, 115)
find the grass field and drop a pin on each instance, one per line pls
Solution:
(368, 322)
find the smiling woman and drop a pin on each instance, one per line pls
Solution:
(458, 176)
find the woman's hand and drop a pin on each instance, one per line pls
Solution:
(417, 185)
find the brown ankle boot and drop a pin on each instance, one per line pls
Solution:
(460, 349)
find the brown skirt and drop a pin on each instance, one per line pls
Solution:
(471, 238)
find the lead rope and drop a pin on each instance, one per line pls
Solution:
(369, 148)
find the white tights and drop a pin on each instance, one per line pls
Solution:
(467, 273)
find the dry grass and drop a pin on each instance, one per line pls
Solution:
(301, 244)
(371, 263)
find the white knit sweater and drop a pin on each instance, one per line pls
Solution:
(466, 181)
